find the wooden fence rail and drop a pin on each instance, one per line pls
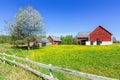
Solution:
(50, 67)
(43, 76)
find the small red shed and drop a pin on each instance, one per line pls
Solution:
(33, 42)
(54, 40)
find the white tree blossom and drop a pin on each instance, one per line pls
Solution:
(27, 23)
(30, 21)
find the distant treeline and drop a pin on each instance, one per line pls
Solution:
(68, 40)
(5, 39)
(11, 40)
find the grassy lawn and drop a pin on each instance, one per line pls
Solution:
(99, 60)
(8, 72)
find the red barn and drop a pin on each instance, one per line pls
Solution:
(54, 40)
(99, 36)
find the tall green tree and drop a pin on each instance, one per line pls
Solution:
(28, 23)
(69, 40)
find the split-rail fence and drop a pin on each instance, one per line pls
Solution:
(14, 59)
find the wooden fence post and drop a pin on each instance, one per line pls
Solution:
(4, 57)
(14, 60)
(51, 73)
(26, 59)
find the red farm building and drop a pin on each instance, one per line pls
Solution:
(54, 40)
(99, 36)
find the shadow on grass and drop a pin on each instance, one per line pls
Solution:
(24, 47)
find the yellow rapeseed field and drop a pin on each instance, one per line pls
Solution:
(99, 60)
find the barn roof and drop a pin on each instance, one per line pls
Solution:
(44, 40)
(83, 34)
(102, 29)
(55, 38)
(105, 30)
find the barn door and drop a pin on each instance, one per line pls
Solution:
(98, 41)
(83, 42)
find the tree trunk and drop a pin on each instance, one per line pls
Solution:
(28, 46)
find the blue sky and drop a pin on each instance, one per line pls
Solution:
(68, 16)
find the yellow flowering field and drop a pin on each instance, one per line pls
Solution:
(99, 60)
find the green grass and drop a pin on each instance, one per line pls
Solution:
(8, 72)
(7, 48)
(98, 60)
(2, 77)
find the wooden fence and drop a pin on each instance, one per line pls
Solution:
(50, 67)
